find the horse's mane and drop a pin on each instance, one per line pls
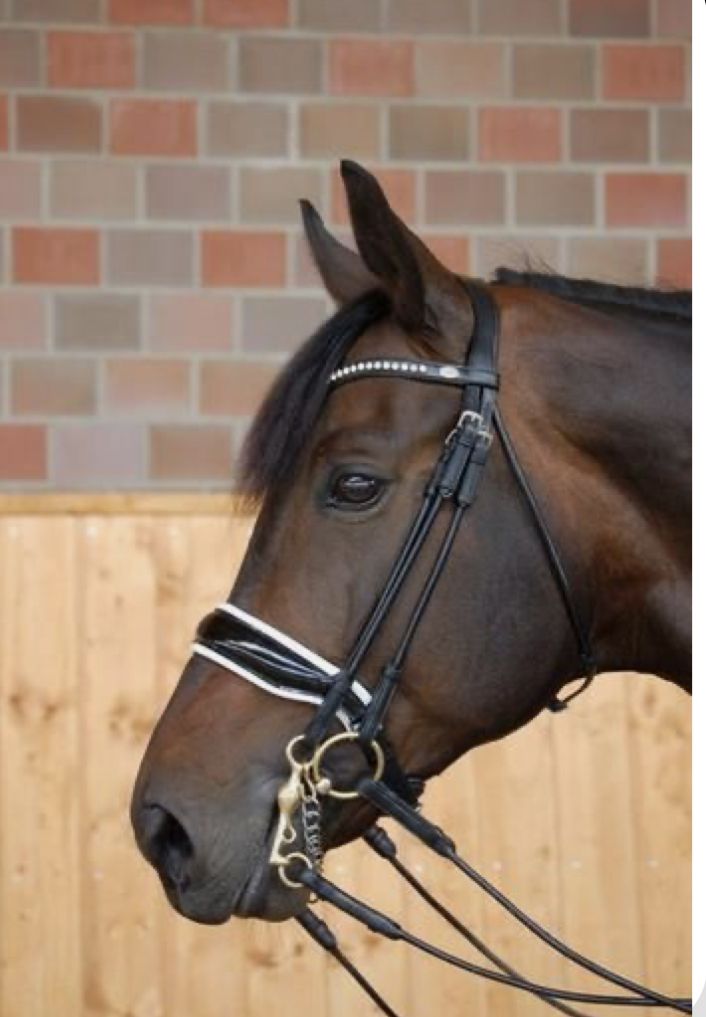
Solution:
(673, 303)
(293, 404)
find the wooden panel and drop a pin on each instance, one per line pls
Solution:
(582, 818)
(661, 771)
(40, 765)
(118, 596)
(598, 851)
(518, 850)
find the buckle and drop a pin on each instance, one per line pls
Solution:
(465, 417)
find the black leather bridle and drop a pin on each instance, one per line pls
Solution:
(263, 655)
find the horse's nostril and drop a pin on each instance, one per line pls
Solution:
(166, 845)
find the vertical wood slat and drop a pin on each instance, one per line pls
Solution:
(518, 851)
(587, 814)
(598, 848)
(191, 956)
(40, 956)
(661, 768)
(116, 633)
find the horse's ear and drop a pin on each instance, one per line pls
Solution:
(342, 271)
(426, 296)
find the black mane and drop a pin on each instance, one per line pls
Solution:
(674, 303)
(293, 404)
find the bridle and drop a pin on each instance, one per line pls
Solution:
(272, 660)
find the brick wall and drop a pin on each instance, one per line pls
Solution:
(152, 272)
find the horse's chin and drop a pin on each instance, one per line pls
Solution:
(265, 896)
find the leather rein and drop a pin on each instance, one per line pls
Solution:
(261, 654)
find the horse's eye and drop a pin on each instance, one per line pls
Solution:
(355, 489)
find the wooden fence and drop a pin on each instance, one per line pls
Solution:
(582, 818)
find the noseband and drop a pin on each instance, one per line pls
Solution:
(268, 658)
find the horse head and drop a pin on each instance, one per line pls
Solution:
(339, 461)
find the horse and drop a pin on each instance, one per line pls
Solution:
(574, 560)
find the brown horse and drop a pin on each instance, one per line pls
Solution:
(596, 394)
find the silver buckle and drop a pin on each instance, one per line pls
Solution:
(465, 415)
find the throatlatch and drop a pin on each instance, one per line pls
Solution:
(261, 654)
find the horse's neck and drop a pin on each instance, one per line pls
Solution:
(604, 406)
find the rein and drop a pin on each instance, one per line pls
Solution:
(261, 654)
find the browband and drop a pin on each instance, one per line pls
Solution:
(416, 370)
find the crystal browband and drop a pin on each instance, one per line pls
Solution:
(415, 370)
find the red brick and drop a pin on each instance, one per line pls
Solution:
(146, 387)
(152, 127)
(91, 59)
(234, 389)
(4, 127)
(183, 452)
(105, 455)
(59, 256)
(674, 261)
(453, 251)
(23, 452)
(460, 68)
(520, 134)
(674, 19)
(49, 386)
(199, 322)
(23, 317)
(19, 58)
(609, 18)
(644, 72)
(399, 186)
(151, 12)
(246, 13)
(645, 199)
(47, 123)
(370, 67)
(241, 258)
(20, 190)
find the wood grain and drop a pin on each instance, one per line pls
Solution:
(582, 818)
